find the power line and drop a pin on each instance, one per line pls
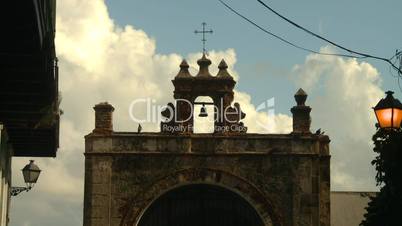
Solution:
(333, 43)
(397, 57)
(283, 39)
(360, 55)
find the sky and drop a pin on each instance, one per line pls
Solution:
(121, 50)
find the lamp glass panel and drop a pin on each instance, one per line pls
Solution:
(384, 117)
(30, 176)
(397, 118)
(26, 175)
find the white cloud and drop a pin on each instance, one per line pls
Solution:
(262, 120)
(98, 62)
(344, 91)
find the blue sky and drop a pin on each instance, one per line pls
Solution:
(264, 62)
(122, 50)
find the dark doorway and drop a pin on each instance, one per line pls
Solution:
(200, 205)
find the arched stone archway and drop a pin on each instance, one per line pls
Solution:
(136, 207)
(200, 205)
(284, 177)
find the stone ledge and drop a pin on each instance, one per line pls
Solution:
(209, 154)
(206, 143)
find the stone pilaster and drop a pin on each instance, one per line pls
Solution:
(103, 118)
(301, 113)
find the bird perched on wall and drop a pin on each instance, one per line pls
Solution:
(139, 128)
(319, 132)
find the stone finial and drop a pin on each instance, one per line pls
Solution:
(301, 97)
(184, 73)
(301, 113)
(223, 73)
(103, 118)
(222, 65)
(204, 63)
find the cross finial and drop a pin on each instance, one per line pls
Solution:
(203, 32)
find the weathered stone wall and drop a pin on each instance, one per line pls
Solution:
(285, 177)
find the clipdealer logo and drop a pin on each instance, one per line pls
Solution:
(153, 113)
(268, 106)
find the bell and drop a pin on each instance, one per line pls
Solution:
(203, 112)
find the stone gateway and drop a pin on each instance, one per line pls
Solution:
(225, 178)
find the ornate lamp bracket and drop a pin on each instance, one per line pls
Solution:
(17, 190)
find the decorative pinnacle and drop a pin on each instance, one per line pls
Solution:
(222, 65)
(204, 63)
(184, 73)
(203, 32)
(223, 73)
(301, 97)
(389, 92)
(104, 106)
(184, 64)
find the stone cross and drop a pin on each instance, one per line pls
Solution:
(203, 32)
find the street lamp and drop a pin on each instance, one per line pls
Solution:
(389, 112)
(31, 174)
(384, 208)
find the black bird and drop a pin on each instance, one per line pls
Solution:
(139, 128)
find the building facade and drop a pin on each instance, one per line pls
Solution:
(228, 177)
(29, 98)
(348, 207)
(5, 173)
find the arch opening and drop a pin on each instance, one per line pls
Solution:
(200, 205)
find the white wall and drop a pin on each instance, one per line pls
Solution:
(5, 176)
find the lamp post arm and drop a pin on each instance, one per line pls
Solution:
(17, 190)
